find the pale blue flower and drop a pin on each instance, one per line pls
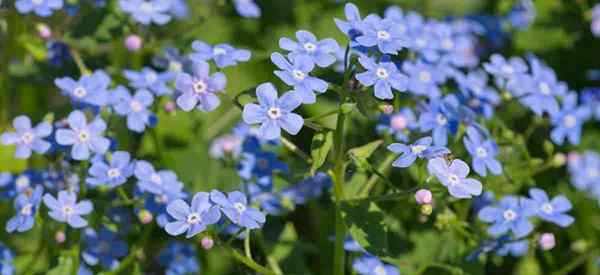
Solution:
(297, 75)
(454, 177)
(27, 138)
(83, 137)
(320, 52)
(192, 218)
(66, 208)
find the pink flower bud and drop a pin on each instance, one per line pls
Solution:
(133, 42)
(423, 196)
(60, 237)
(44, 31)
(207, 242)
(170, 107)
(547, 241)
(398, 122)
(387, 109)
(145, 216)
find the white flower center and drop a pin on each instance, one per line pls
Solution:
(156, 178)
(382, 73)
(592, 173)
(27, 137)
(199, 87)
(383, 35)
(310, 47)
(481, 152)
(379, 270)
(417, 149)
(239, 207)
(219, 51)
(22, 182)
(83, 136)
(453, 179)
(151, 77)
(67, 210)
(161, 199)
(509, 215)
(175, 66)
(113, 173)
(447, 44)
(399, 123)
(544, 88)
(274, 113)
(402, 28)
(136, 106)
(547, 208)
(299, 75)
(27, 209)
(424, 76)
(193, 218)
(570, 121)
(37, 2)
(79, 92)
(507, 69)
(441, 119)
(147, 7)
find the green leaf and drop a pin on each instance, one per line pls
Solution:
(283, 248)
(365, 223)
(65, 265)
(366, 103)
(319, 149)
(366, 150)
(529, 266)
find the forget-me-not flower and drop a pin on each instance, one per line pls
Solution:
(179, 258)
(454, 177)
(515, 248)
(274, 113)
(371, 265)
(26, 206)
(147, 11)
(483, 151)
(398, 124)
(505, 69)
(235, 207)
(551, 210)
(89, 89)
(135, 108)
(424, 79)
(66, 208)
(247, 8)
(156, 182)
(441, 118)
(223, 55)
(511, 214)
(297, 75)
(352, 27)
(112, 174)
(383, 76)
(199, 89)
(43, 8)
(149, 79)
(192, 218)
(104, 248)
(538, 90)
(83, 137)
(384, 34)
(585, 170)
(28, 138)
(569, 120)
(320, 52)
(422, 148)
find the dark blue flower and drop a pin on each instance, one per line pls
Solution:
(260, 164)
(308, 189)
(26, 207)
(179, 258)
(104, 248)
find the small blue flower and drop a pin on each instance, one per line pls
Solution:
(420, 149)
(43, 8)
(398, 124)
(260, 164)
(383, 76)
(135, 108)
(199, 89)
(441, 118)
(171, 60)
(476, 94)
(515, 248)
(235, 207)
(147, 11)
(511, 214)
(311, 188)
(89, 89)
(424, 79)
(297, 75)
(247, 8)
(224, 55)
(66, 208)
(584, 170)
(179, 258)
(371, 265)
(274, 113)
(551, 210)
(28, 138)
(484, 152)
(6, 261)
(522, 14)
(505, 70)
(26, 206)
(384, 34)
(454, 177)
(538, 91)
(157, 203)
(83, 137)
(569, 121)
(155, 182)
(113, 173)
(193, 219)
(149, 79)
(353, 26)
(319, 52)
(104, 248)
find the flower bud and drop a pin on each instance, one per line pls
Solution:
(547, 241)
(386, 109)
(423, 196)
(426, 209)
(170, 107)
(44, 31)
(133, 42)
(60, 236)
(145, 216)
(207, 242)
(559, 160)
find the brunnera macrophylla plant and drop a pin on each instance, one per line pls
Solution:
(432, 96)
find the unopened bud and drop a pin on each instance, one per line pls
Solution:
(60, 237)
(547, 241)
(423, 196)
(44, 31)
(426, 209)
(386, 109)
(133, 42)
(170, 107)
(207, 242)
(559, 160)
(145, 216)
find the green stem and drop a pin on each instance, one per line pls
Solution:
(247, 245)
(272, 262)
(292, 147)
(338, 188)
(573, 264)
(383, 167)
(79, 61)
(130, 259)
(250, 263)
(323, 115)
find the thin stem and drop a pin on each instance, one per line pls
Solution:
(130, 259)
(272, 262)
(292, 147)
(573, 264)
(383, 167)
(338, 188)
(79, 61)
(247, 245)
(250, 263)
(320, 116)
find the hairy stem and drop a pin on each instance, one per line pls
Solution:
(338, 188)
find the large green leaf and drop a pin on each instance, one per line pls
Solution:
(365, 223)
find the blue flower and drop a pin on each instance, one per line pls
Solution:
(297, 75)
(157, 203)
(454, 177)
(522, 14)
(43, 8)
(26, 207)
(551, 210)
(483, 151)
(66, 209)
(383, 76)
(147, 11)
(28, 138)
(476, 94)
(398, 124)
(235, 207)
(149, 79)
(569, 121)
(511, 214)
(88, 90)
(311, 188)
(274, 113)
(260, 164)
(155, 182)
(199, 88)
(371, 265)
(319, 52)
(503, 69)
(440, 117)
(538, 91)
(103, 248)
(247, 8)
(179, 258)
(515, 248)
(353, 26)
(424, 79)
(82, 136)
(193, 219)
(135, 108)
(420, 149)
(382, 33)
(224, 55)
(584, 170)
(171, 60)
(113, 173)
(6, 261)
